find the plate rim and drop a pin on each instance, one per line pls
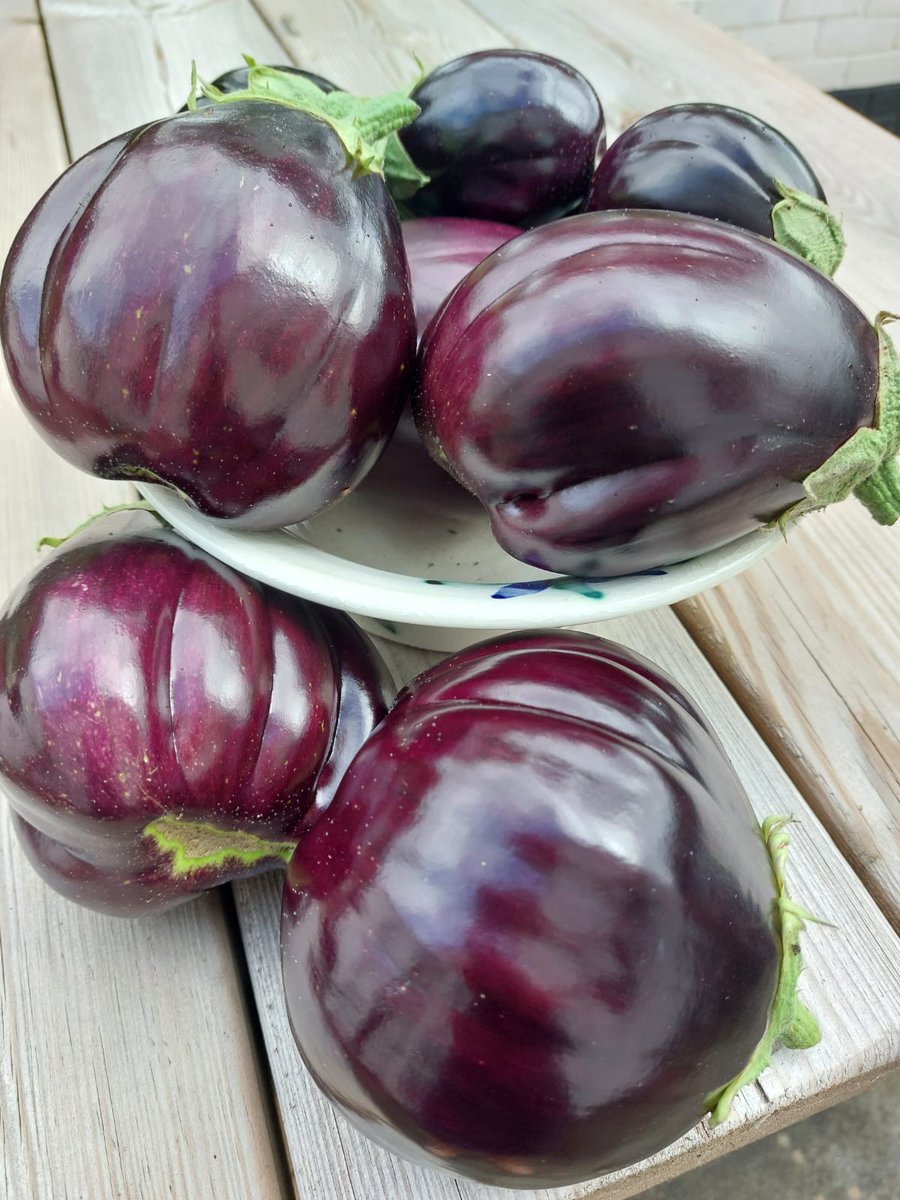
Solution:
(320, 576)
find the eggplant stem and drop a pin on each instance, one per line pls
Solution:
(790, 1022)
(128, 506)
(865, 466)
(808, 228)
(196, 845)
(366, 126)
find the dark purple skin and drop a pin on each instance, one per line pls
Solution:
(505, 135)
(237, 80)
(535, 928)
(215, 301)
(624, 390)
(441, 251)
(143, 678)
(705, 159)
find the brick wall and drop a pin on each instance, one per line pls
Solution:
(833, 43)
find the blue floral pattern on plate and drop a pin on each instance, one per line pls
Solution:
(582, 585)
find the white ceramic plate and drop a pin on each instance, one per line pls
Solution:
(411, 556)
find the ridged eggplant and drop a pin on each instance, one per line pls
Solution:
(167, 724)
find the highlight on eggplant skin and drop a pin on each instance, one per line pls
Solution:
(504, 135)
(627, 389)
(707, 159)
(535, 929)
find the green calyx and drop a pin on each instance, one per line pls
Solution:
(866, 464)
(366, 125)
(790, 1022)
(129, 506)
(196, 846)
(808, 228)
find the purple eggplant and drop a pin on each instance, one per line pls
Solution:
(722, 163)
(504, 135)
(441, 251)
(167, 724)
(623, 390)
(537, 932)
(218, 301)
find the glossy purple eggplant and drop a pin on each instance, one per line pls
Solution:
(705, 159)
(167, 724)
(725, 164)
(536, 930)
(220, 302)
(504, 135)
(441, 251)
(624, 390)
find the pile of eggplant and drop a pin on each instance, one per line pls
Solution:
(532, 931)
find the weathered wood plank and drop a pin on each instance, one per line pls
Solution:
(128, 1068)
(861, 1021)
(119, 64)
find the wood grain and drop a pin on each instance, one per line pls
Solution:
(808, 639)
(853, 977)
(119, 64)
(128, 1065)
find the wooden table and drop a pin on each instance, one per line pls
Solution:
(151, 1059)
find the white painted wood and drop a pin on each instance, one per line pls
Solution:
(128, 1068)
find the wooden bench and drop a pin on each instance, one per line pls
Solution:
(152, 1059)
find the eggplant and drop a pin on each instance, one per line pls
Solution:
(504, 135)
(441, 251)
(218, 301)
(723, 163)
(537, 932)
(625, 390)
(167, 724)
(238, 79)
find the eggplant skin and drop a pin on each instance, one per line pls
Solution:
(505, 135)
(214, 301)
(535, 927)
(441, 251)
(625, 390)
(707, 159)
(141, 678)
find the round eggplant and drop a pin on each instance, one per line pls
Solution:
(537, 930)
(725, 164)
(623, 390)
(219, 302)
(441, 251)
(167, 724)
(238, 80)
(504, 135)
